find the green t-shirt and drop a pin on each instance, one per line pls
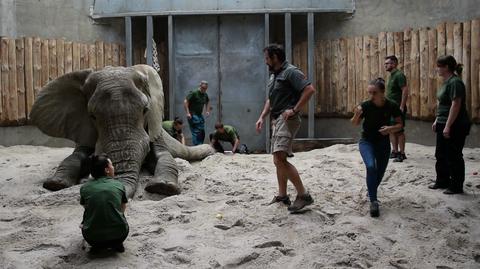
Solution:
(103, 218)
(394, 86)
(375, 117)
(451, 89)
(168, 126)
(285, 88)
(230, 134)
(196, 101)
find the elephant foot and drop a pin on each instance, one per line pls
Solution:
(163, 187)
(54, 184)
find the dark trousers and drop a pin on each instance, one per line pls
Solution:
(105, 244)
(197, 127)
(450, 166)
(375, 155)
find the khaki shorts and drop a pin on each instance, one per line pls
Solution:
(283, 133)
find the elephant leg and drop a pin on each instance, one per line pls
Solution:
(165, 178)
(70, 170)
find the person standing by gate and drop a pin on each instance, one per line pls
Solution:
(289, 91)
(194, 103)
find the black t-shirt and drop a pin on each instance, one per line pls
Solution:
(375, 117)
(285, 89)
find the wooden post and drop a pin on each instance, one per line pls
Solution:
(115, 54)
(374, 58)
(319, 75)
(60, 57)
(457, 42)
(343, 77)
(52, 53)
(366, 66)
(441, 46)
(68, 57)
(407, 47)
(45, 63)
(359, 88)
(83, 56)
(415, 75)
(423, 38)
(5, 93)
(122, 57)
(432, 72)
(20, 74)
(327, 86)
(351, 74)
(449, 32)
(107, 54)
(467, 35)
(92, 57)
(29, 81)
(335, 76)
(390, 44)
(37, 66)
(398, 39)
(75, 57)
(100, 57)
(12, 81)
(382, 47)
(474, 64)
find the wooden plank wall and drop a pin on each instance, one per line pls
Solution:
(345, 66)
(29, 63)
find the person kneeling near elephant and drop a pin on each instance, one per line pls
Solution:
(225, 133)
(104, 224)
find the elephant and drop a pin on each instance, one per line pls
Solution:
(117, 111)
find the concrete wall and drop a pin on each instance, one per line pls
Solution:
(55, 19)
(373, 16)
(419, 132)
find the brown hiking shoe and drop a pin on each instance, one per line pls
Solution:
(283, 199)
(300, 202)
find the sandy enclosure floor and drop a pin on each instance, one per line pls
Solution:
(418, 227)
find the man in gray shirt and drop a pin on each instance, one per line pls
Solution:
(289, 91)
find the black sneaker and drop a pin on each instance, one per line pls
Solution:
(393, 154)
(452, 191)
(437, 186)
(400, 157)
(119, 248)
(300, 202)
(374, 209)
(282, 199)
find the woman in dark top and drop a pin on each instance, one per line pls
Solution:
(375, 144)
(452, 126)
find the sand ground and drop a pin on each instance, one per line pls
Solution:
(418, 227)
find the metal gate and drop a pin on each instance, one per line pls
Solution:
(227, 51)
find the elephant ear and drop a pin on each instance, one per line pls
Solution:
(60, 109)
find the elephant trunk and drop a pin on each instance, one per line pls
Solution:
(178, 150)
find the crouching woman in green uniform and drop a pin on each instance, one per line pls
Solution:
(452, 126)
(104, 225)
(374, 145)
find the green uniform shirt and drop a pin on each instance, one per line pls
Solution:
(230, 134)
(103, 218)
(285, 88)
(196, 101)
(168, 126)
(451, 89)
(394, 86)
(375, 117)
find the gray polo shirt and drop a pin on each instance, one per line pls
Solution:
(285, 88)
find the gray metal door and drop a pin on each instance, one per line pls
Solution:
(226, 51)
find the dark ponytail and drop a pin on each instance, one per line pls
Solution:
(379, 83)
(450, 62)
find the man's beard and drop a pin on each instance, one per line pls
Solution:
(270, 68)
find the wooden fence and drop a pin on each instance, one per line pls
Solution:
(344, 66)
(29, 63)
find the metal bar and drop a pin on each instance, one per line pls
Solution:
(128, 40)
(288, 36)
(171, 69)
(149, 40)
(267, 121)
(311, 73)
(219, 71)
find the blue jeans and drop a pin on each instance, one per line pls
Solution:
(197, 127)
(375, 155)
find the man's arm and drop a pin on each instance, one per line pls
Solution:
(357, 113)
(307, 93)
(124, 207)
(265, 112)
(207, 108)
(186, 104)
(404, 98)
(182, 139)
(235, 146)
(452, 115)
